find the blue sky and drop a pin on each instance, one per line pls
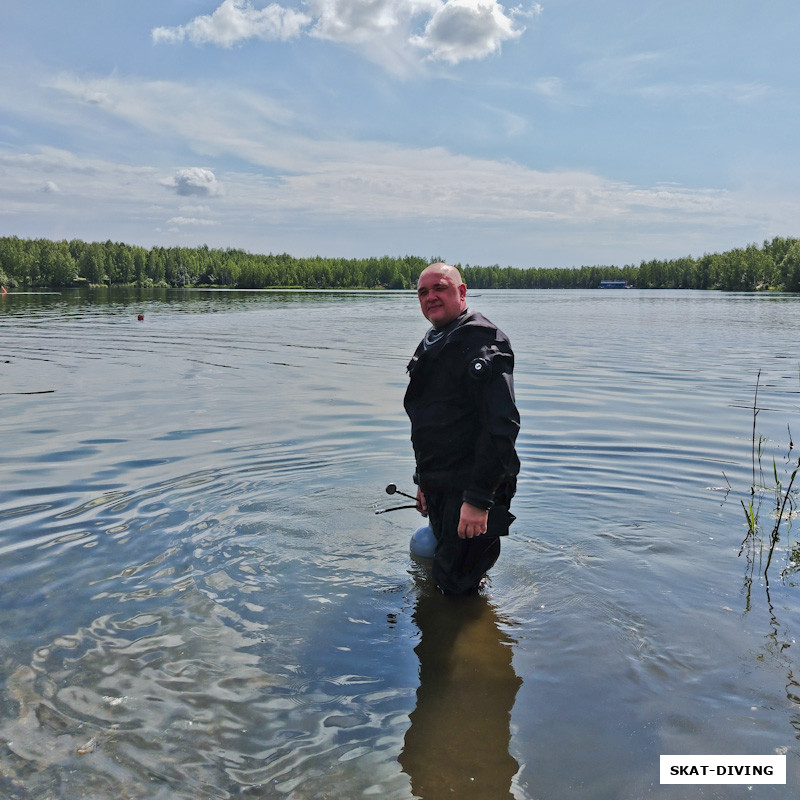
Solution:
(547, 134)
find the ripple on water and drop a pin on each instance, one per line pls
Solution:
(197, 684)
(198, 601)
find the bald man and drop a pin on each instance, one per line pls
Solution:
(464, 423)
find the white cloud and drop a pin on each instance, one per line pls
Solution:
(330, 191)
(51, 188)
(195, 182)
(236, 21)
(435, 184)
(467, 29)
(357, 197)
(452, 31)
(370, 182)
(191, 221)
(99, 189)
(736, 93)
(354, 20)
(210, 120)
(193, 211)
(293, 174)
(359, 21)
(548, 87)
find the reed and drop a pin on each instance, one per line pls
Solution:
(783, 490)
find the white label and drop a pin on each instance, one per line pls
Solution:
(748, 770)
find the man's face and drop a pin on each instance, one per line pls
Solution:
(442, 295)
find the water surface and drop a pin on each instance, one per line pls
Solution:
(199, 602)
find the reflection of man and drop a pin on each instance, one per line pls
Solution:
(458, 743)
(464, 423)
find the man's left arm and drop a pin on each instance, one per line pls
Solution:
(495, 457)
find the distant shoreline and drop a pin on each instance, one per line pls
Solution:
(27, 264)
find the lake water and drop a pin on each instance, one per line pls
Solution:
(198, 601)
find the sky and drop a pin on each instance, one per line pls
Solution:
(557, 133)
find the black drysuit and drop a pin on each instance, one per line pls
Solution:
(464, 422)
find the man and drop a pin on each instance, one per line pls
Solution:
(464, 422)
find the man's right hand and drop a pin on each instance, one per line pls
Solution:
(422, 506)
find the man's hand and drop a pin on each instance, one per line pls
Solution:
(422, 505)
(472, 522)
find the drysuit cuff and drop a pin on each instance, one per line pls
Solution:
(478, 499)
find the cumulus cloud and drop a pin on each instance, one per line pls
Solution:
(467, 29)
(235, 21)
(446, 30)
(358, 21)
(195, 182)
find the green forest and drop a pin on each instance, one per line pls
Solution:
(41, 263)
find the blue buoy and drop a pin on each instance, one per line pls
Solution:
(423, 542)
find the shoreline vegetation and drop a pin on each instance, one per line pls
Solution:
(43, 263)
(783, 500)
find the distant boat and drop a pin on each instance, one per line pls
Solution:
(615, 285)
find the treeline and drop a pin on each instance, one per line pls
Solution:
(40, 263)
(44, 263)
(774, 266)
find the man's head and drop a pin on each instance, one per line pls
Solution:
(442, 294)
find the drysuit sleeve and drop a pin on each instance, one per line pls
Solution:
(495, 458)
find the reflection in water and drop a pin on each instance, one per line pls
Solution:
(194, 589)
(458, 742)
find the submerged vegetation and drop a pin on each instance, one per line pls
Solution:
(39, 263)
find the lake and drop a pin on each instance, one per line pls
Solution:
(199, 602)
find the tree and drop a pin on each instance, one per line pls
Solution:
(140, 266)
(789, 268)
(92, 264)
(56, 265)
